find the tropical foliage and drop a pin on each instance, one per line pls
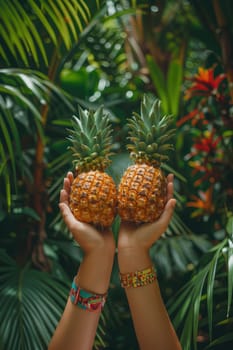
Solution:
(92, 53)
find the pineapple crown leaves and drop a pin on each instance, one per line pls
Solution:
(150, 133)
(91, 140)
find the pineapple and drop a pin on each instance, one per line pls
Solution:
(93, 193)
(142, 192)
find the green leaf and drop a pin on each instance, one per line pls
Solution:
(5, 173)
(27, 211)
(13, 21)
(186, 335)
(230, 277)
(159, 83)
(62, 19)
(229, 225)
(197, 301)
(210, 288)
(9, 144)
(227, 133)
(31, 306)
(174, 81)
(226, 338)
(12, 130)
(40, 15)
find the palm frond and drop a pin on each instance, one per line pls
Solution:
(23, 95)
(187, 306)
(59, 20)
(31, 305)
(179, 250)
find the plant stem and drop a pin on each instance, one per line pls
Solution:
(40, 197)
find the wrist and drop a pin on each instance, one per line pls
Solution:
(133, 258)
(95, 270)
(101, 253)
(103, 242)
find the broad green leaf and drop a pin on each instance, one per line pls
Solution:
(176, 253)
(159, 83)
(174, 81)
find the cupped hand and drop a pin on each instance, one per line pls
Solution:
(133, 236)
(87, 236)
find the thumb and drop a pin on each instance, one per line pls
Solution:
(168, 212)
(67, 215)
(157, 228)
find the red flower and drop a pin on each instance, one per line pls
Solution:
(208, 144)
(195, 115)
(206, 155)
(204, 83)
(203, 203)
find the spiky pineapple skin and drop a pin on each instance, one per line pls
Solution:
(142, 194)
(93, 198)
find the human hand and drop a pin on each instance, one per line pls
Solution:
(134, 236)
(87, 236)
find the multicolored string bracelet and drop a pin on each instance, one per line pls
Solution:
(138, 278)
(86, 300)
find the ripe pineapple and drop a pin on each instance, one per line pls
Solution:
(93, 194)
(142, 192)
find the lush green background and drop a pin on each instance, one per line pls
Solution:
(56, 55)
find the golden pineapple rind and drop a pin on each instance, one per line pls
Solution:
(93, 198)
(142, 194)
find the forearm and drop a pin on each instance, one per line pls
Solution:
(77, 327)
(151, 321)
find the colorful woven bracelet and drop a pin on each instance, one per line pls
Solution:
(86, 300)
(138, 278)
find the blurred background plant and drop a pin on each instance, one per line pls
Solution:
(110, 52)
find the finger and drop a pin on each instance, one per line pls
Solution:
(77, 228)
(64, 197)
(70, 176)
(163, 222)
(170, 189)
(170, 178)
(68, 217)
(66, 185)
(168, 212)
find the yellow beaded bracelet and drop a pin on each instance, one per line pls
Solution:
(138, 278)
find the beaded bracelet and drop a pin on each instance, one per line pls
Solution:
(138, 278)
(86, 300)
